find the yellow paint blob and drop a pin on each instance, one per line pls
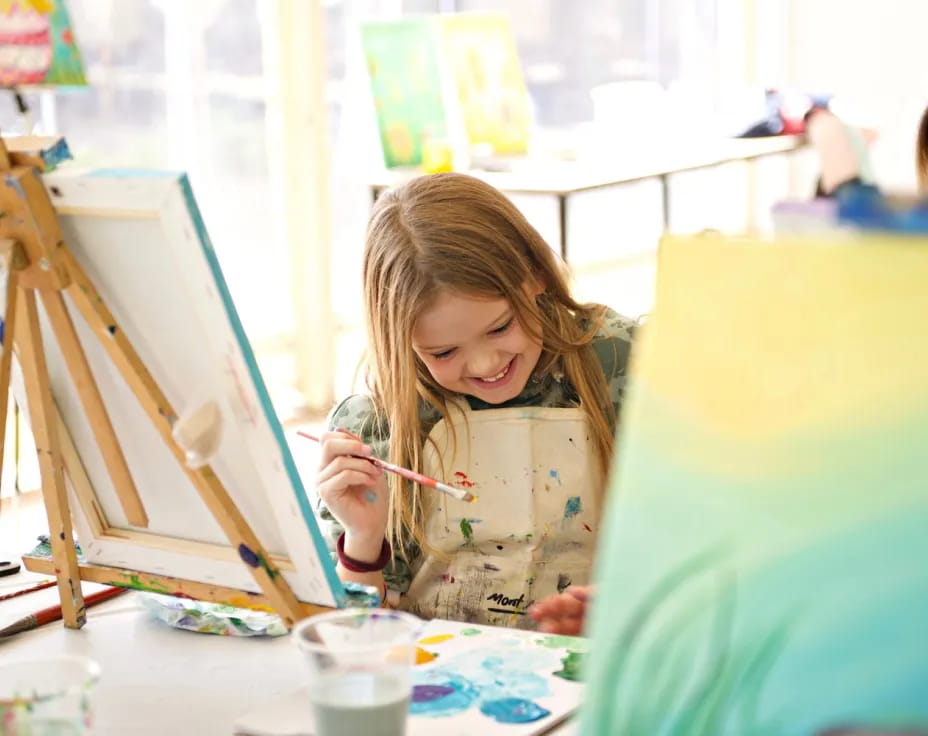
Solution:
(437, 639)
(423, 656)
(242, 601)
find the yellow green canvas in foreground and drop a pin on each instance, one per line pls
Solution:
(764, 568)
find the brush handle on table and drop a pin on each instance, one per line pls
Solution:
(53, 613)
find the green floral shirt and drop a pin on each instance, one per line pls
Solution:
(612, 345)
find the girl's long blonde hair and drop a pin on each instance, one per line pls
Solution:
(455, 232)
(921, 154)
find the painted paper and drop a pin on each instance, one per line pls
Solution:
(37, 44)
(469, 680)
(486, 75)
(406, 86)
(763, 568)
(454, 78)
(474, 679)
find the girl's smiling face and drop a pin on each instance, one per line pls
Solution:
(475, 346)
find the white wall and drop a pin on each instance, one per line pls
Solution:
(871, 52)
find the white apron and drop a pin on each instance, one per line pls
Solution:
(532, 531)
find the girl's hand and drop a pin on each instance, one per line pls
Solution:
(355, 492)
(562, 613)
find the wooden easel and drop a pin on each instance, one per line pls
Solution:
(35, 261)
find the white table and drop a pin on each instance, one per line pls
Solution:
(561, 179)
(158, 680)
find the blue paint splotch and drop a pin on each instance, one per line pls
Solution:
(370, 496)
(513, 710)
(555, 475)
(439, 694)
(428, 693)
(248, 556)
(13, 183)
(573, 507)
(482, 676)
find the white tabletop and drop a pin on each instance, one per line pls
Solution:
(156, 679)
(542, 175)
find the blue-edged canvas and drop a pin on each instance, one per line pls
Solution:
(139, 237)
(763, 569)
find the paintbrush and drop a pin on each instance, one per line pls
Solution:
(33, 589)
(53, 613)
(458, 493)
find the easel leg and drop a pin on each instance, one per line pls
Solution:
(41, 411)
(7, 320)
(11, 258)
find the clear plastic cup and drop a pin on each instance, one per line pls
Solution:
(47, 696)
(360, 663)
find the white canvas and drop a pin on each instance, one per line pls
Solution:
(140, 238)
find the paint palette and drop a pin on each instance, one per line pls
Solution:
(468, 680)
(472, 678)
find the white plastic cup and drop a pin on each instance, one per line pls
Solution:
(360, 663)
(48, 696)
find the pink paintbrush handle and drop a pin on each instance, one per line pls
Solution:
(458, 493)
(410, 474)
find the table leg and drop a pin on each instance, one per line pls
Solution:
(665, 201)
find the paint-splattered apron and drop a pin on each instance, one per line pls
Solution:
(532, 531)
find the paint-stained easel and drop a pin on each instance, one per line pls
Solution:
(36, 263)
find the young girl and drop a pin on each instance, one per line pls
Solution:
(483, 370)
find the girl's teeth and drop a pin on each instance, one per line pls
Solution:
(497, 377)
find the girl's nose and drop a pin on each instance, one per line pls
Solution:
(484, 364)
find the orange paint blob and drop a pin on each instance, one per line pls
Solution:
(422, 656)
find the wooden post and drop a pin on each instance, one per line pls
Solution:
(12, 259)
(28, 336)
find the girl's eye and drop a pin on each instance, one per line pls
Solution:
(501, 329)
(444, 354)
